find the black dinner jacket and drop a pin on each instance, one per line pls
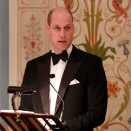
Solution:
(85, 102)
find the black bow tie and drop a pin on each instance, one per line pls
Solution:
(56, 57)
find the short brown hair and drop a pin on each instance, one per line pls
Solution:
(50, 16)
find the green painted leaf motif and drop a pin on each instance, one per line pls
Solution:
(96, 46)
(103, 53)
(98, 17)
(113, 50)
(108, 56)
(86, 45)
(101, 49)
(118, 1)
(85, 14)
(87, 19)
(97, 49)
(123, 105)
(100, 14)
(97, 129)
(89, 49)
(127, 95)
(68, 1)
(75, 20)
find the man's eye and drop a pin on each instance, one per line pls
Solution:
(57, 28)
(67, 28)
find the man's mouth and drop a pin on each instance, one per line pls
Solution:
(62, 41)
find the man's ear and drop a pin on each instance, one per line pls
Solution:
(73, 29)
(47, 29)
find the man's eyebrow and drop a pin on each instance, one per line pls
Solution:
(64, 26)
(68, 24)
(56, 25)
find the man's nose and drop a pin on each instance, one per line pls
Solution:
(62, 33)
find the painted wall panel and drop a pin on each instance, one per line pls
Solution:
(32, 37)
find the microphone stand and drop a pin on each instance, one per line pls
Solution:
(62, 113)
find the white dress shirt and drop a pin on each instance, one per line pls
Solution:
(58, 70)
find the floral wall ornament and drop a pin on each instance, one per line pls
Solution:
(120, 118)
(113, 88)
(117, 13)
(92, 44)
(129, 120)
(123, 43)
(104, 27)
(112, 29)
(119, 10)
(32, 41)
(33, 44)
(69, 4)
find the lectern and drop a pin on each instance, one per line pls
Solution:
(30, 122)
(27, 121)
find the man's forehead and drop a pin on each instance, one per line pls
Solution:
(60, 9)
(59, 19)
(62, 12)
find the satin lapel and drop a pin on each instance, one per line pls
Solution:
(71, 69)
(43, 73)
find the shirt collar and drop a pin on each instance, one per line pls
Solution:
(68, 50)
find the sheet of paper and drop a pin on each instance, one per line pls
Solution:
(17, 111)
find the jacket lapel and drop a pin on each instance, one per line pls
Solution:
(43, 72)
(71, 69)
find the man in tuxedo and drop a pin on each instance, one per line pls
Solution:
(79, 78)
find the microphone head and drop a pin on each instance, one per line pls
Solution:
(52, 76)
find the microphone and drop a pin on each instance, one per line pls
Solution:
(62, 113)
(51, 76)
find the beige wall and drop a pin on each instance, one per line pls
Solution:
(108, 32)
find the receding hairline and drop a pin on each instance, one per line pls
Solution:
(57, 9)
